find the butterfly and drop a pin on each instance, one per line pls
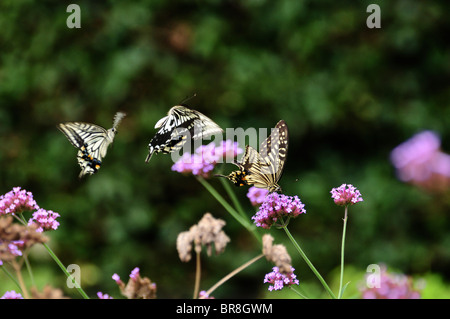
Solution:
(175, 128)
(92, 142)
(263, 169)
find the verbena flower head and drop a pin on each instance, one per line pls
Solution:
(420, 161)
(134, 273)
(346, 194)
(101, 295)
(203, 161)
(203, 295)
(278, 281)
(390, 286)
(275, 207)
(45, 219)
(257, 195)
(12, 295)
(17, 201)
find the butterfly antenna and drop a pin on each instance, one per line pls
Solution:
(188, 98)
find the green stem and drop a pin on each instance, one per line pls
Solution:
(56, 259)
(296, 245)
(233, 197)
(30, 272)
(342, 253)
(231, 210)
(298, 292)
(11, 276)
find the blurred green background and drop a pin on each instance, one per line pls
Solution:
(349, 94)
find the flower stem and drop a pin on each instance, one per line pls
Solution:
(234, 272)
(342, 253)
(228, 207)
(297, 246)
(56, 259)
(233, 197)
(10, 276)
(20, 280)
(197, 276)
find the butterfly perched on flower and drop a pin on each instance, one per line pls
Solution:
(263, 169)
(180, 124)
(92, 142)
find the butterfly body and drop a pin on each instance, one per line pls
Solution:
(180, 124)
(92, 142)
(263, 169)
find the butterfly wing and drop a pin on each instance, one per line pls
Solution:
(180, 124)
(91, 140)
(266, 167)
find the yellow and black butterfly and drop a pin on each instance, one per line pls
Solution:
(92, 142)
(179, 124)
(263, 169)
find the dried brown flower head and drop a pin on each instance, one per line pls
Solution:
(16, 233)
(208, 231)
(138, 287)
(48, 292)
(277, 254)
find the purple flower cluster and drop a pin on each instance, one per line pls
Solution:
(346, 194)
(204, 159)
(390, 286)
(277, 280)
(276, 206)
(45, 219)
(134, 273)
(420, 161)
(17, 201)
(203, 295)
(11, 295)
(101, 295)
(257, 195)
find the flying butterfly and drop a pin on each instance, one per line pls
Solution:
(175, 128)
(263, 169)
(92, 142)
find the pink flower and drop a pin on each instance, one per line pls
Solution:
(17, 201)
(257, 195)
(101, 295)
(346, 194)
(203, 161)
(45, 219)
(275, 207)
(390, 286)
(12, 295)
(134, 273)
(278, 280)
(420, 161)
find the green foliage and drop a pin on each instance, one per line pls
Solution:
(349, 94)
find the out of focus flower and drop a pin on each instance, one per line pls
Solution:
(207, 232)
(137, 287)
(420, 161)
(11, 295)
(278, 281)
(48, 292)
(257, 195)
(389, 286)
(16, 238)
(17, 201)
(277, 254)
(101, 295)
(203, 295)
(346, 194)
(203, 161)
(276, 206)
(45, 219)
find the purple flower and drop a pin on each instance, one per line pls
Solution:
(276, 206)
(203, 161)
(203, 295)
(17, 201)
(278, 280)
(346, 194)
(116, 278)
(420, 161)
(134, 273)
(389, 286)
(257, 195)
(45, 219)
(12, 295)
(101, 295)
